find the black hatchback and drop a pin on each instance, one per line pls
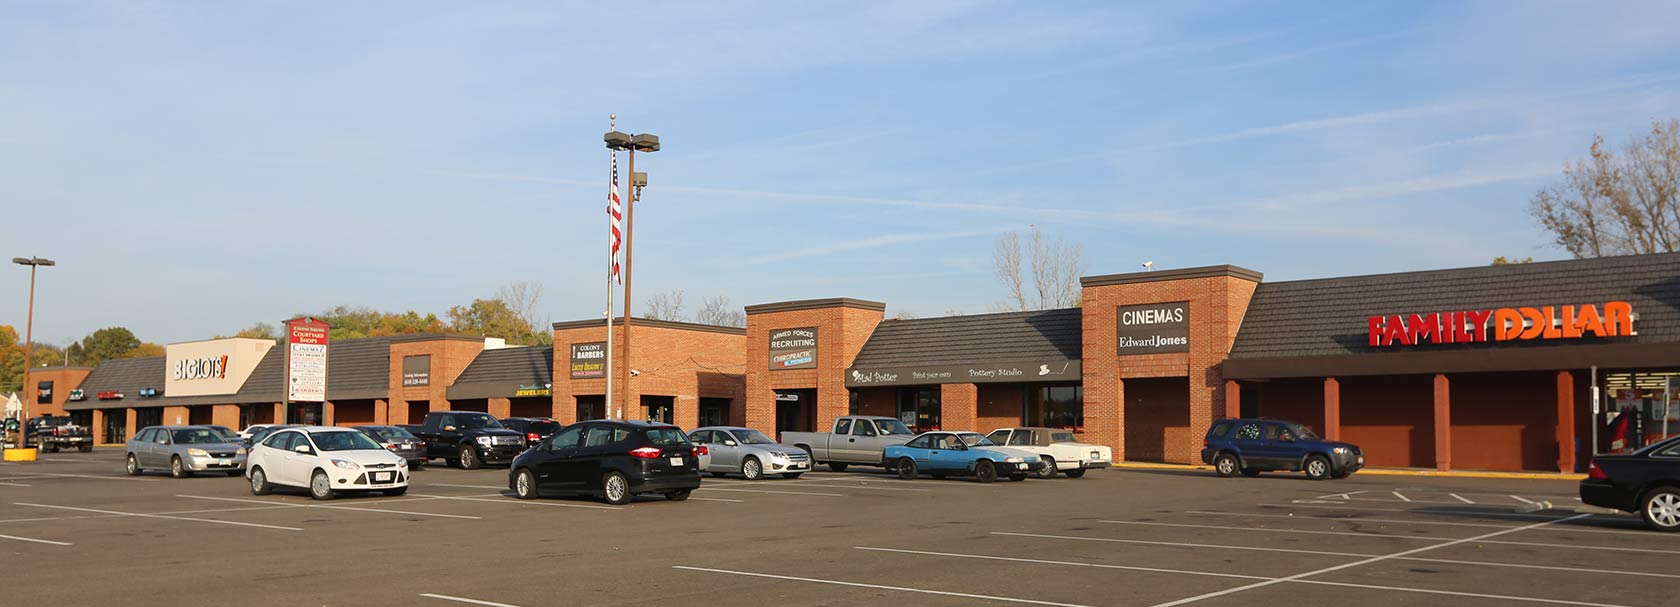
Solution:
(1646, 482)
(610, 459)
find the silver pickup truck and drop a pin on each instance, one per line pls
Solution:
(856, 439)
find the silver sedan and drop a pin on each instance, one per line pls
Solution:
(750, 453)
(183, 450)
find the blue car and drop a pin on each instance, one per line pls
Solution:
(1252, 446)
(942, 454)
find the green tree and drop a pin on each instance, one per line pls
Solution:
(144, 350)
(106, 344)
(261, 330)
(11, 360)
(493, 318)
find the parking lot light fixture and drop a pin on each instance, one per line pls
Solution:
(28, 339)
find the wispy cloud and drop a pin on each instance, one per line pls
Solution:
(877, 242)
(1310, 51)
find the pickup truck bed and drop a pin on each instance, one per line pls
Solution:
(855, 439)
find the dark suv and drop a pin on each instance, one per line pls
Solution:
(611, 459)
(1252, 446)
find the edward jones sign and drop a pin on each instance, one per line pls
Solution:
(1502, 324)
(793, 349)
(1153, 328)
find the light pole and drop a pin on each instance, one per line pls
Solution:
(28, 339)
(641, 142)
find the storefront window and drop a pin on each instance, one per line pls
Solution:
(919, 408)
(1056, 406)
(1652, 397)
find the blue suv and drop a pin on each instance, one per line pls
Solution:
(1252, 446)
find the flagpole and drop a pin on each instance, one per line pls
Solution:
(612, 259)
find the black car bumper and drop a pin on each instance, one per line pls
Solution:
(1347, 463)
(665, 481)
(1207, 455)
(1606, 494)
(500, 454)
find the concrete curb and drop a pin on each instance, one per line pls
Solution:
(1550, 476)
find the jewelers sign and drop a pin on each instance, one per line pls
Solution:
(306, 360)
(793, 349)
(589, 360)
(1153, 328)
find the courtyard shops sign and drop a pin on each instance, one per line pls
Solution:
(1502, 324)
(793, 349)
(1161, 328)
(977, 373)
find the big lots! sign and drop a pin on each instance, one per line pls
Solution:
(1503, 324)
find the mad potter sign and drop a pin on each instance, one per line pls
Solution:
(976, 373)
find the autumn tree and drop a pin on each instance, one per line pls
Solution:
(493, 318)
(11, 360)
(1617, 203)
(1042, 276)
(106, 344)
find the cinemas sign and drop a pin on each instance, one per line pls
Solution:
(1613, 319)
(1153, 328)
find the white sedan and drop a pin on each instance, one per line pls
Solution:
(325, 460)
(1057, 448)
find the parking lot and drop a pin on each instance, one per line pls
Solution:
(75, 530)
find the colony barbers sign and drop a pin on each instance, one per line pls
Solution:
(975, 373)
(589, 361)
(1153, 328)
(793, 348)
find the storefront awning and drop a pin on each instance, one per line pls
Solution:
(1036, 346)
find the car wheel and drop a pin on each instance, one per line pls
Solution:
(751, 469)
(133, 466)
(320, 486)
(1225, 465)
(1075, 473)
(178, 469)
(1017, 477)
(397, 492)
(525, 484)
(906, 468)
(259, 482)
(837, 466)
(1317, 468)
(1661, 509)
(469, 458)
(677, 496)
(984, 471)
(1251, 472)
(1049, 469)
(792, 475)
(615, 488)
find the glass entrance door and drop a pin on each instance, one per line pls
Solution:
(919, 408)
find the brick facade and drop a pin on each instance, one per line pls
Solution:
(450, 356)
(684, 361)
(843, 325)
(64, 380)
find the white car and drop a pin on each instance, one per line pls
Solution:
(251, 429)
(326, 461)
(1057, 448)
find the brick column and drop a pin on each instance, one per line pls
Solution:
(280, 413)
(225, 415)
(1332, 409)
(98, 427)
(958, 406)
(128, 425)
(1233, 399)
(382, 412)
(499, 408)
(176, 416)
(1566, 421)
(1443, 424)
(396, 410)
(327, 417)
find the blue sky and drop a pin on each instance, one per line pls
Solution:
(198, 167)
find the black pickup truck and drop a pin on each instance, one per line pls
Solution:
(468, 439)
(50, 433)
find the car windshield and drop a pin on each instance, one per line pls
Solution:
(1061, 437)
(1302, 432)
(475, 422)
(197, 436)
(1659, 445)
(976, 440)
(890, 427)
(225, 432)
(344, 440)
(753, 437)
(665, 437)
(392, 432)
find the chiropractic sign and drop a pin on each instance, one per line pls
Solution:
(1612, 319)
(1153, 328)
(793, 349)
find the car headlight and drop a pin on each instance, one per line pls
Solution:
(778, 455)
(402, 463)
(346, 464)
(1340, 450)
(241, 451)
(1012, 460)
(485, 440)
(196, 452)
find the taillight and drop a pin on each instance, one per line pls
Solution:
(1595, 472)
(532, 436)
(700, 450)
(645, 452)
(391, 446)
(420, 445)
(1204, 442)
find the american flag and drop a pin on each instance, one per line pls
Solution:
(615, 212)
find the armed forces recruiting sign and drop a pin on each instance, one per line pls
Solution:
(793, 349)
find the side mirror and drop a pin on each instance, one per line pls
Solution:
(302, 449)
(449, 428)
(729, 443)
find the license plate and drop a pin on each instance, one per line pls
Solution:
(1021, 466)
(1361, 460)
(676, 461)
(381, 477)
(223, 462)
(407, 446)
(799, 466)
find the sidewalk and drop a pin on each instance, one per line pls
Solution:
(1553, 476)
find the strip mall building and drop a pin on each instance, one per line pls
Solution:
(1488, 368)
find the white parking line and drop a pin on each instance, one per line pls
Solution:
(1348, 495)
(1231, 575)
(325, 507)
(1480, 538)
(38, 541)
(162, 516)
(716, 499)
(980, 597)
(1405, 537)
(860, 487)
(1523, 499)
(445, 597)
(1402, 496)
(1350, 554)
(97, 477)
(1460, 498)
(519, 502)
(464, 486)
(1429, 511)
(15, 484)
(1406, 522)
(769, 491)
